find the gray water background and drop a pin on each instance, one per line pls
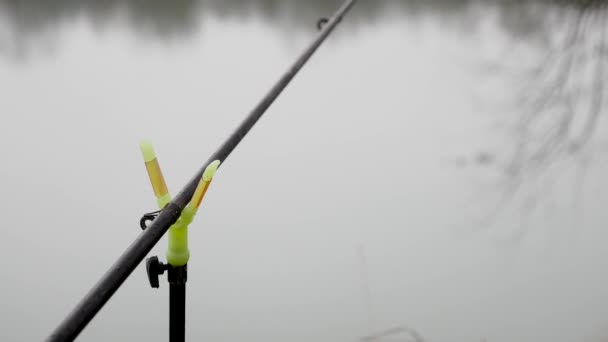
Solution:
(430, 168)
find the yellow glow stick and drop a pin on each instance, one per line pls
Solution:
(178, 253)
(203, 185)
(155, 174)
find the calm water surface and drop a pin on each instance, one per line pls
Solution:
(437, 166)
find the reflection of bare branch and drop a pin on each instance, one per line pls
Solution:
(368, 291)
(541, 101)
(562, 106)
(393, 332)
(370, 312)
(598, 88)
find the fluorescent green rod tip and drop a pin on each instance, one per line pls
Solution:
(147, 150)
(210, 170)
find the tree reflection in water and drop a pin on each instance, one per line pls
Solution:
(558, 114)
(556, 127)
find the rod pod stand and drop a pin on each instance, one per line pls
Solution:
(178, 253)
(99, 294)
(177, 278)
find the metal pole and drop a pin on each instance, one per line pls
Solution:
(177, 303)
(103, 290)
(177, 312)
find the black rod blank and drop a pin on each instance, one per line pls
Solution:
(103, 290)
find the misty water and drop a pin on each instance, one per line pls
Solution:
(438, 166)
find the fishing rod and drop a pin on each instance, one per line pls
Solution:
(102, 291)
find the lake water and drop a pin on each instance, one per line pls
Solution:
(437, 166)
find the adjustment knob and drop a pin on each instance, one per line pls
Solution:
(154, 268)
